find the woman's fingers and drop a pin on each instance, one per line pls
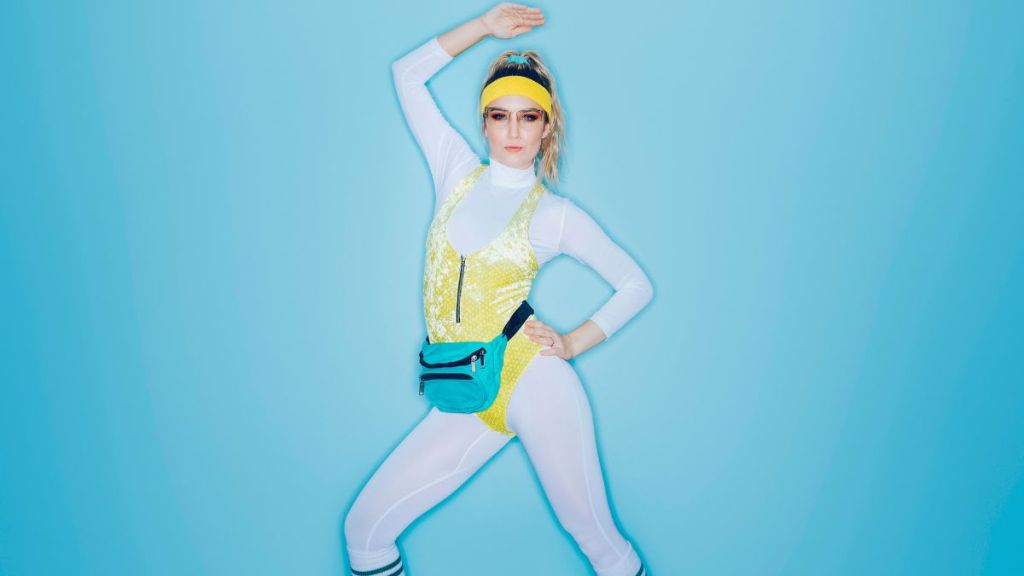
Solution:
(556, 349)
(524, 15)
(509, 20)
(542, 333)
(519, 22)
(532, 329)
(521, 7)
(536, 326)
(530, 16)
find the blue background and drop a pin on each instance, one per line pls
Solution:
(211, 237)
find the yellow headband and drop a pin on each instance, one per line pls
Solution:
(518, 86)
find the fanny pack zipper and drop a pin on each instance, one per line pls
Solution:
(439, 376)
(471, 360)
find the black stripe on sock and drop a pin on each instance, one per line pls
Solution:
(400, 568)
(379, 570)
(640, 571)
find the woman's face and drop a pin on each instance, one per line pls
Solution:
(514, 127)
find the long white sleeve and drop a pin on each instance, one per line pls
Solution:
(447, 153)
(558, 226)
(585, 241)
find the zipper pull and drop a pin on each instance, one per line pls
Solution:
(421, 386)
(472, 362)
(482, 357)
(458, 295)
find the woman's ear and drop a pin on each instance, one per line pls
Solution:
(547, 130)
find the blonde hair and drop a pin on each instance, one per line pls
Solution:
(551, 146)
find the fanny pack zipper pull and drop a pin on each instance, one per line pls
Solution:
(472, 362)
(421, 386)
(482, 357)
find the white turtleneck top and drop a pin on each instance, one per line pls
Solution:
(559, 226)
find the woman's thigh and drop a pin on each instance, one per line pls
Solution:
(430, 463)
(551, 414)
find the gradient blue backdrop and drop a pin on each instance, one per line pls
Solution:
(211, 237)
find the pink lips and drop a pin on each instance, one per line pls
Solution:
(513, 148)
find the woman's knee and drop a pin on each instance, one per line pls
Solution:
(365, 526)
(357, 523)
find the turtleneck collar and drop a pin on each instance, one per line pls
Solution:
(505, 176)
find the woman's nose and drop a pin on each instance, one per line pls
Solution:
(513, 127)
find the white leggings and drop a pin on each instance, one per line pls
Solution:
(550, 413)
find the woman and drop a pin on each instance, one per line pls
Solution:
(494, 225)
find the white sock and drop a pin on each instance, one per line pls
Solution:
(386, 562)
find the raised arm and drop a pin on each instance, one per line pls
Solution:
(445, 149)
(585, 241)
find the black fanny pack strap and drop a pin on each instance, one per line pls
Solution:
(517, 320)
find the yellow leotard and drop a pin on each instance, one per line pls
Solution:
(471, 297)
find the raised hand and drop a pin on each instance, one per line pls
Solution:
(507, 20)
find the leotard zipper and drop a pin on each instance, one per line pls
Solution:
(458, 297)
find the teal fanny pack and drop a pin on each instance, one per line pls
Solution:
(465, 376)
